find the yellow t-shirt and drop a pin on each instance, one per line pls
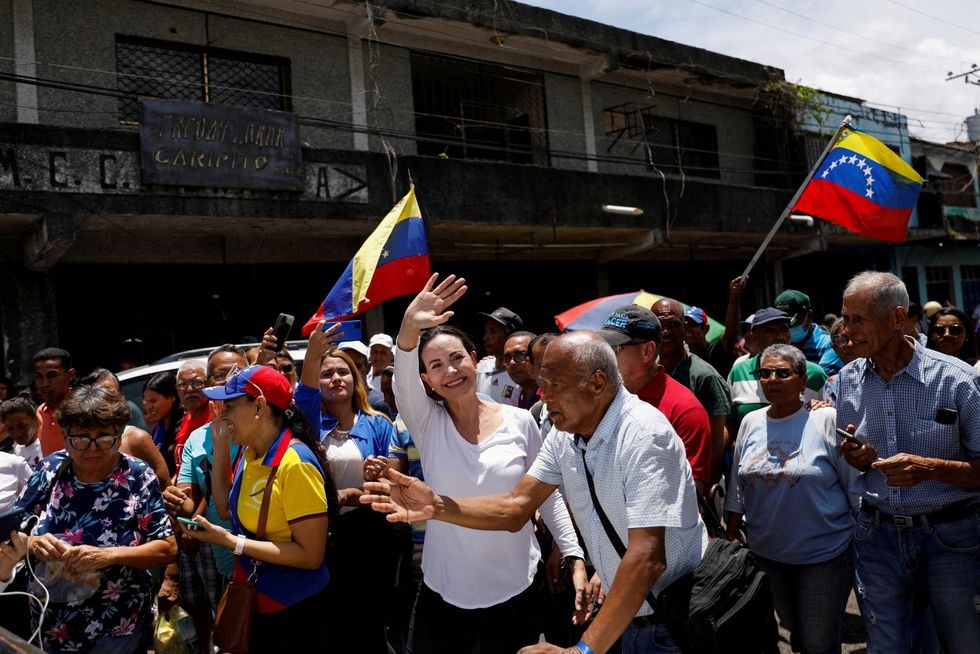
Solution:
(297, 494)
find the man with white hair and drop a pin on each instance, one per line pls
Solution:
(192, 377)
(381, 354)
(608, 437)
(915, 414)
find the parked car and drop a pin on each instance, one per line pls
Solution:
(133, 380)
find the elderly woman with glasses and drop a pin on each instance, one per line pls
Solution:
(101, 526)
(789, 486)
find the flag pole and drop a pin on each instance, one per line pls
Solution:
(796, 196)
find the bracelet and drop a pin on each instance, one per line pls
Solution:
(582, 647)
(240, 545)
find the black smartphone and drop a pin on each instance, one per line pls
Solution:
(284, 323)
(849, 437)
(352, 329)
(16, 520)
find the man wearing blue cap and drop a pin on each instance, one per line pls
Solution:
(769, 326)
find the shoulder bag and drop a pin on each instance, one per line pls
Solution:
(236, 609)
(723, 607)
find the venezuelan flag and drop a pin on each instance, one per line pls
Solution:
(864, 187)
(393, 261)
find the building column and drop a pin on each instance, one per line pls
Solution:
(25, 57)
(28, 319)
(588, 125)
(358, 101)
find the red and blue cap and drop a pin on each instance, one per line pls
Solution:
(697, 314)
(257, 381)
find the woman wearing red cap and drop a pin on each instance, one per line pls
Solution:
(254, 409)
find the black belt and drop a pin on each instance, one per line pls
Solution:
(949, 513)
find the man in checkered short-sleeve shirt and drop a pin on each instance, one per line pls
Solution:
(642, 480)
(917, 538)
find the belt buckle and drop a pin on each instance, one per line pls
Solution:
(906, 521)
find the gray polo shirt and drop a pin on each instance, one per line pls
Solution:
(642, 479)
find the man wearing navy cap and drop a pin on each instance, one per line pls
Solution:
(636, 336)
(492, 378)
(769, 326)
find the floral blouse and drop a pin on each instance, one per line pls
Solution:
(124, 510)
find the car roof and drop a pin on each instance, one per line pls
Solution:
(203, 352)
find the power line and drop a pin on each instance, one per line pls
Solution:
(936, 18)
(855, 34)
(812, 38)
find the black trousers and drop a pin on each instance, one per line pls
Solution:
(298, 628)
(438, 627)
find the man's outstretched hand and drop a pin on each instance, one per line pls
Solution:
(403, 497)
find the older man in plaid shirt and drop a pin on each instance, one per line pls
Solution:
(916, 415)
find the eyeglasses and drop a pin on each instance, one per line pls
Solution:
(517, 357)
(196, 384)
(619, 348)
(781, 373)
(286, 368)
(948, 330)
(82, 443)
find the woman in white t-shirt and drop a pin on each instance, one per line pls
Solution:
(478, 587)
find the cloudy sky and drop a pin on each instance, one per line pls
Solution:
(895, 54)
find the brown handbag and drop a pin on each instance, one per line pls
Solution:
(236, 609)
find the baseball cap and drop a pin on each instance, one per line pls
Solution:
(631, 323)
(510, 320)
(768, 315)
(355, 346)
(697, 314)
(795, 304)
(256, 381)
(930, 308)
(381, 339)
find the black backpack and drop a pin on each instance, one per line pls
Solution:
(723, 607)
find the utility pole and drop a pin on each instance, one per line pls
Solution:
(971, 76)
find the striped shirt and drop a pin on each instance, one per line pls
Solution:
(905, 414)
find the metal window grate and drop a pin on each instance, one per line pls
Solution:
(679, 145)
(471, 110)
(179, 72)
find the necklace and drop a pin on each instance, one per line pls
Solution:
(339, 434)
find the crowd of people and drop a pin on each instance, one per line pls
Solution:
(407, 496)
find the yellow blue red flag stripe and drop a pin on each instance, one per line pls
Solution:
(393, 261)
(864, 187)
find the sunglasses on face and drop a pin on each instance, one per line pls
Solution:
(950, 330)
(516, 357)
(781, 373)
(286, 368)
(619, 348)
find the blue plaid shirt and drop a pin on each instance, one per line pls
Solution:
(899, 415)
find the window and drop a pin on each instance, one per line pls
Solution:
(910, 275)
(939, 283)
(678, 145)
(179, 72)
(970, 276)
(471, 110)
(957, 186)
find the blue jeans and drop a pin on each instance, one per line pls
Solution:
(919, 586)
(811, 600)
(648, 639)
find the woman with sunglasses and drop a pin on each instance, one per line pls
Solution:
(255, 410)
(101, 527)
(789, 487)
(950, 333)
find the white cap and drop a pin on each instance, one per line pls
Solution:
(356, 346)
(381, 339)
